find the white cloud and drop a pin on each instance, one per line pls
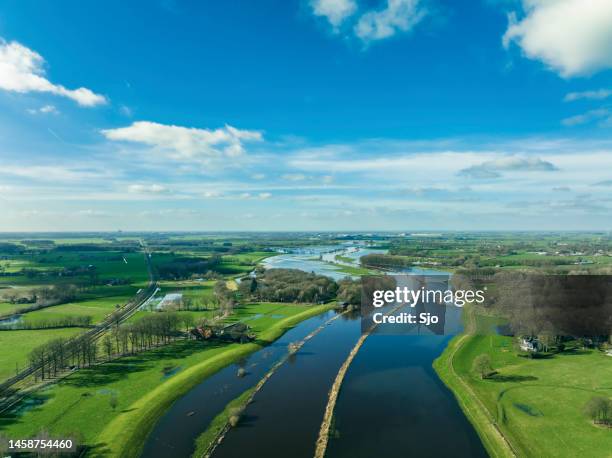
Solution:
(260, 196)
(147, 189)
(398, 16)
(491, 169)
(212, 194)
(599, 94)
(186, 142)
(21, 70)
(572, 37)
(55, 173)
(336, 11)
(584, 118)
(293, 176)
(46, 109)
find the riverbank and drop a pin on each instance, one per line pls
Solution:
(126, 434)
(531, 406)
(478, 415)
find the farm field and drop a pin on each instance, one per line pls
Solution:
(97, 309)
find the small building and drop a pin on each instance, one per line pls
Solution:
(529, 344)
(172, 300)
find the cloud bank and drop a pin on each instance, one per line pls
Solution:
(186, 142)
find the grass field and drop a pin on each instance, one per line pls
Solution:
(80, 402)
(537, 404)
(97, 309)
(16, 345)
(108, 264)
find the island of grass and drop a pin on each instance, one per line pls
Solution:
(530, 407)
(113, 406)
(233, 409)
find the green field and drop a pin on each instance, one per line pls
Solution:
(16, 345)
(80, 402)
(536, 403)
(97, 309)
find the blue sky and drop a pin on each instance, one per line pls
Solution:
(306, 115)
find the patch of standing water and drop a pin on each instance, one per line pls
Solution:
(320, 259)
(11, 321)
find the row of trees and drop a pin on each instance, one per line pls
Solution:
(153, 330)
(146, 333)
(385, 261)
(58, 354)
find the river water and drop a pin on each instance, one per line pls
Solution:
(285, 417)
(391, 404)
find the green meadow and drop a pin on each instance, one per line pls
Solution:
(537, 404)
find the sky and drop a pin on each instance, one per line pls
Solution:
(305, 115)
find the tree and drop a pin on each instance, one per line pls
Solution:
(349, 291)
(235, 414)
(482, 365)
(599, 409)
(107, 343)
(225, 297)
(188, 322)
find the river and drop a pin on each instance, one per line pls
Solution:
(284, 420)
(391, 404)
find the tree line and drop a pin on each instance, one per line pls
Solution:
(150, 331)
(51, 323)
